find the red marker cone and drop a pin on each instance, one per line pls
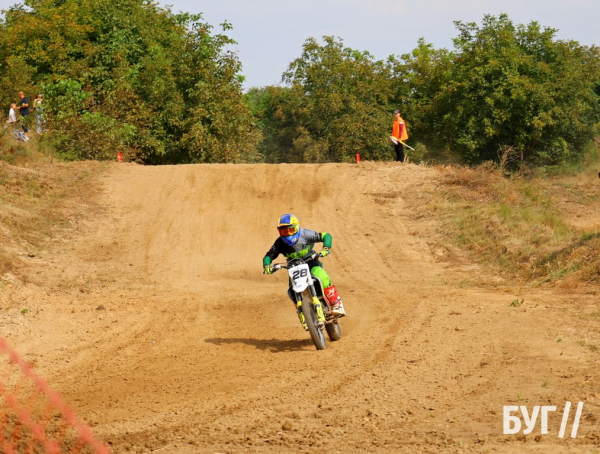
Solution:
(358, 158)
(120, 156)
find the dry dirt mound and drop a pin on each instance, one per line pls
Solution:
(154, 321)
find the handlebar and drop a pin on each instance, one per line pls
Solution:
(279, 266)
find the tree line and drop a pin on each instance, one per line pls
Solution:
(502, 87)
(130, 76)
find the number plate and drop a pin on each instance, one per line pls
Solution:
(300, 276)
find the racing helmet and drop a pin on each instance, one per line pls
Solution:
(289, 229)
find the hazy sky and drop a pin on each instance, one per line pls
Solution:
(270, 33)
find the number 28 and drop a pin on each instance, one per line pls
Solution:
(299, 273)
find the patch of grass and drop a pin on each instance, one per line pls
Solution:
(516, 303)
(465, 283)
(587, 236)
(516, 224)
(37, 199)
(591, 347)
(592, 315)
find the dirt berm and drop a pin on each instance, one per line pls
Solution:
(153, 319)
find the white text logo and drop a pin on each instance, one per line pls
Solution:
(512, 422)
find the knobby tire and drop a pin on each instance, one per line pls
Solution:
(334, 331)
(313, 326)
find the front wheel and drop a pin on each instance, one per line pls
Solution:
(316, 332)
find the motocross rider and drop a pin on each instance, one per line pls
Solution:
(294, 242)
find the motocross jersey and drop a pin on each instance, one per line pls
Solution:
(303, 248)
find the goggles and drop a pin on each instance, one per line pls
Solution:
(288, 230)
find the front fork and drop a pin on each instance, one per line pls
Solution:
(316, 303)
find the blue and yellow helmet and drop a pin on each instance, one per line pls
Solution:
(289, 229)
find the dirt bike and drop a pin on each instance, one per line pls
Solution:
(307, 293)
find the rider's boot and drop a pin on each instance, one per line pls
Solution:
(337, 307)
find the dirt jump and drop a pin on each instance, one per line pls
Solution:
(152, 319)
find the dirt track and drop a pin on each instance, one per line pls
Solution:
(153, 320)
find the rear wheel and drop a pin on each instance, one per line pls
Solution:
(316, 332)
(334, 331)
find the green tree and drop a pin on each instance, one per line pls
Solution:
(336, 105)
(418, 78)
(517, 85)
(265, 104)
(160, 86)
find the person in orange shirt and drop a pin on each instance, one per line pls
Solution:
(400, 134)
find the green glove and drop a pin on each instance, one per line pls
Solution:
(268, 269)
(325, 252)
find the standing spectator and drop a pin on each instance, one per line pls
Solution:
(12, 116)
(24, 110)
(12, 121)
(399, 134)
(38, 108)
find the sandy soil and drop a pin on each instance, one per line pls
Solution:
(153, 320)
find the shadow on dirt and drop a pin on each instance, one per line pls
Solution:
(272, 345)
